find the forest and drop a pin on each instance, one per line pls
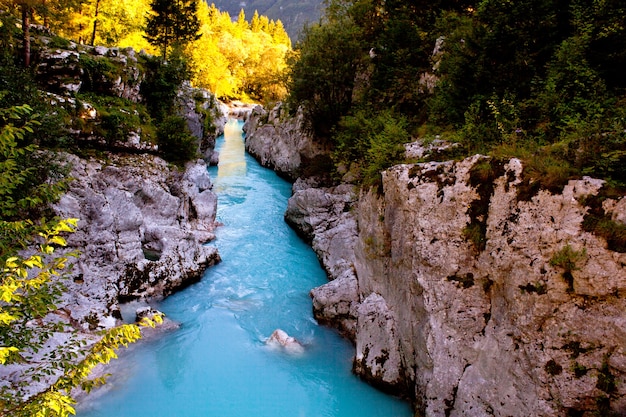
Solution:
(241, 57)
(541, 80)
(293, 14)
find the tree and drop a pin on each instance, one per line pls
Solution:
(121, 23)
(54, 14)
(30, 288)
(323, 70)
(241, 21)
(25, 189)
(172, 22)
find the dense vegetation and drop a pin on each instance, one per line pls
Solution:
(240, 58)
(537, 79)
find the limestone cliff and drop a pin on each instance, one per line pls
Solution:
(467, 289)
(141, 232)
(471, 325)
(280, 142)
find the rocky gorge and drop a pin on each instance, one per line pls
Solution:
(463, 288)
(142, 222)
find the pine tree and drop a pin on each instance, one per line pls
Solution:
(255, 23)
(241, 20)
(172, 22)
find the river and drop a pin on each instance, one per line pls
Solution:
(217, 364)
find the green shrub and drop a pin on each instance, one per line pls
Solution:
(176, 144)
(59, 42)
(385, 148)
(163, 79)
(567, 258)
(98, 73)
(372, 141)
(117, 117)
(476, 234)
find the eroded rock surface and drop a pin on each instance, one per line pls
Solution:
(487, 324)
(279, 142)
(325, 218)
(141, 232)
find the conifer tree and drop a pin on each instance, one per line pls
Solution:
(255, 23)
(241, 20)
(172, 22)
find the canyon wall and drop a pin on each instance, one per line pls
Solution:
(281, 142)
(528, 321)
(473, 293)
(142, 223)
(140, 234)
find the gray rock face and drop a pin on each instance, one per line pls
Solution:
(141, 232)
(279, 142)
(61, 70)
(239, 110)
(464, 331)
(324, 217)
(205, 119)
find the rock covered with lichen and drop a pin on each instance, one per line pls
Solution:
(479, 295)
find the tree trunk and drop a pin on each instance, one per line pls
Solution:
(95, 24)
(26, 33)
(45, 14)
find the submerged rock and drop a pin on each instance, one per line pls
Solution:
(280, 338)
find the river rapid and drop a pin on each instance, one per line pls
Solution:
(218, 364)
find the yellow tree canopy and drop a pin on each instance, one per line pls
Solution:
(233, 58)
(238, 59)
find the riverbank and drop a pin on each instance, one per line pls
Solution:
(495, 321)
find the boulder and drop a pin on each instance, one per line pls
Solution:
(280, 339)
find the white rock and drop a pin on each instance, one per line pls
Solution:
(280, 145)
(280, 339)
(468, 332)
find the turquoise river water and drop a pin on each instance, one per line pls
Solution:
(217, 364)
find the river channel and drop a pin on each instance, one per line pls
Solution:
(218, 364)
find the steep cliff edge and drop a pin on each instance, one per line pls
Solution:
(468, 291)
(501, 327)
(504, 330)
